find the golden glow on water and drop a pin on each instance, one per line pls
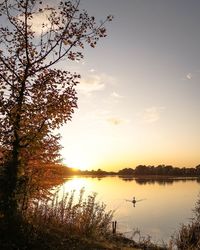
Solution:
(76, 184)
(165, 206)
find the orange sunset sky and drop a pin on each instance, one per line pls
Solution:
(139, 96)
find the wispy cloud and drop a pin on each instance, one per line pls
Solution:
(115, 120)
(104, 117)
(189, 76)
(92, 70)
(94, 82)
(96, 116)
(151, 114)
(90, 84)
(116, 95)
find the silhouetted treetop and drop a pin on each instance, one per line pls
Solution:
(36, 97)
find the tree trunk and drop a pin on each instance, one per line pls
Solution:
(14, 163)
(10, 184)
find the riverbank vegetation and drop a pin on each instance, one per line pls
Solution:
(56, 222)
(63, 222)
(188, 235)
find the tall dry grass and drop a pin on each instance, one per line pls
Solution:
(58, 223)
(188, 236)
(85, 216)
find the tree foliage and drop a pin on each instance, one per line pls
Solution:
(35, 96)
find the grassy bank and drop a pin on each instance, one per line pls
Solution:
(62, 222)
(65, 223)
(188, 235)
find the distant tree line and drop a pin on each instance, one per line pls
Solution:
(98, 172)
(140, 170)
(161, 170)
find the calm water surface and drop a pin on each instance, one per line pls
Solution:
(165, 205)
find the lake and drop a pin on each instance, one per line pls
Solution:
(164, 205)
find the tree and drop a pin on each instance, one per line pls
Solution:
(197, 169)
(126, 171)
(36, 97)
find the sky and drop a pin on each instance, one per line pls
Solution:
(139, 95)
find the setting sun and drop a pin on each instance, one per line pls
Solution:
(77, 161)
(80, 158)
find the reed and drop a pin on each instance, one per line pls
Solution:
(85, 217)
(188, 236)
(59, 223)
